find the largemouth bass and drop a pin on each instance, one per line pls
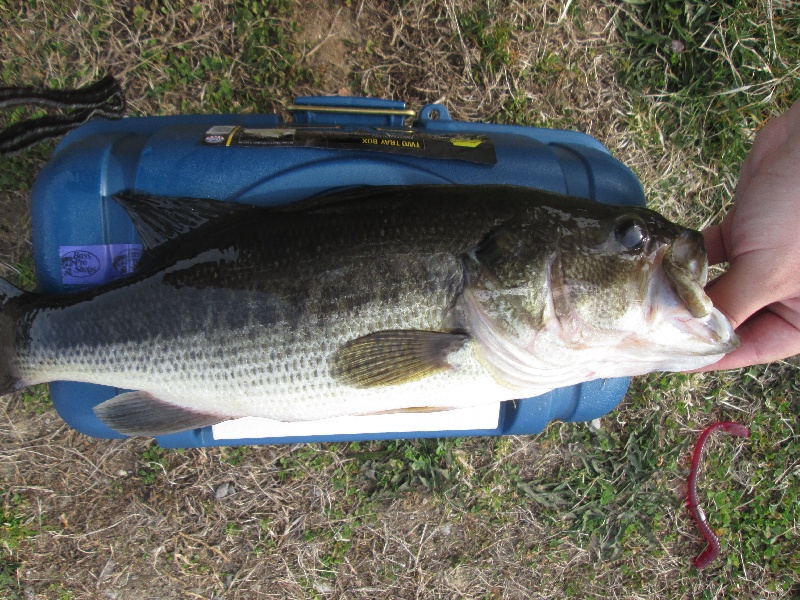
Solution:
(378, 300)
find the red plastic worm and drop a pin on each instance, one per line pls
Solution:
(711, 552)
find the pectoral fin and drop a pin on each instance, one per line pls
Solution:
(393, 357)
(142, 414)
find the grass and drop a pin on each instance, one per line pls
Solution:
(675, 89)
(14, 528)
(153, 463)
(492, 38)
(717, 66)
(703, 77)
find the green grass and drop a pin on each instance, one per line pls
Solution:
(23, 274)
(611, 492)
(767, 517)
(37, 398)
(234, 455)
(153, 463)
(491, 36)
(14, 528)
(710, 71)
(397, 465)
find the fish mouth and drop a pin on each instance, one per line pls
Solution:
(713, 333)
(679, 302)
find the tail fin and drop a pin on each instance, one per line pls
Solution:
(8, 338)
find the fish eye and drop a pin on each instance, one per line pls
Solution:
(631, 233)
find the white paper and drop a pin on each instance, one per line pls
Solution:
(486, 416)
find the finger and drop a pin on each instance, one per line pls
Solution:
(743, 289)
(715, 247)
(764, 338)
(772, 138)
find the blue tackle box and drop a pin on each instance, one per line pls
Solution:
(81, 237)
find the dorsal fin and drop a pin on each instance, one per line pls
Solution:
(161, 218)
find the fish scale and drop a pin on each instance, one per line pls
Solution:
(249, 339)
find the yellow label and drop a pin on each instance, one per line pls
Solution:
(466, 142)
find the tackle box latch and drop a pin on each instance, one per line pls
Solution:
(349, 110)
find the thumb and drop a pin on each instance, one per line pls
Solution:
(763, 338)
(715, 245)
(744, 289)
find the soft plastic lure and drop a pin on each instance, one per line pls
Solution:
(711, 552)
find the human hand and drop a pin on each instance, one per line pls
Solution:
(760, 239)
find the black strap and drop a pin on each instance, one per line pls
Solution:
(103, 98)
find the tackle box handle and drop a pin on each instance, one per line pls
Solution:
(350, 110)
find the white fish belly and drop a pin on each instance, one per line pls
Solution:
(251, 379)
(277, 372)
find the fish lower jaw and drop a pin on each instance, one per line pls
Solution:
(681, 343)
(711, 335)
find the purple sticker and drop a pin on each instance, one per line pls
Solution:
(98, 264)
(125, 262)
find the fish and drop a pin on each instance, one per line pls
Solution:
(373, 300)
